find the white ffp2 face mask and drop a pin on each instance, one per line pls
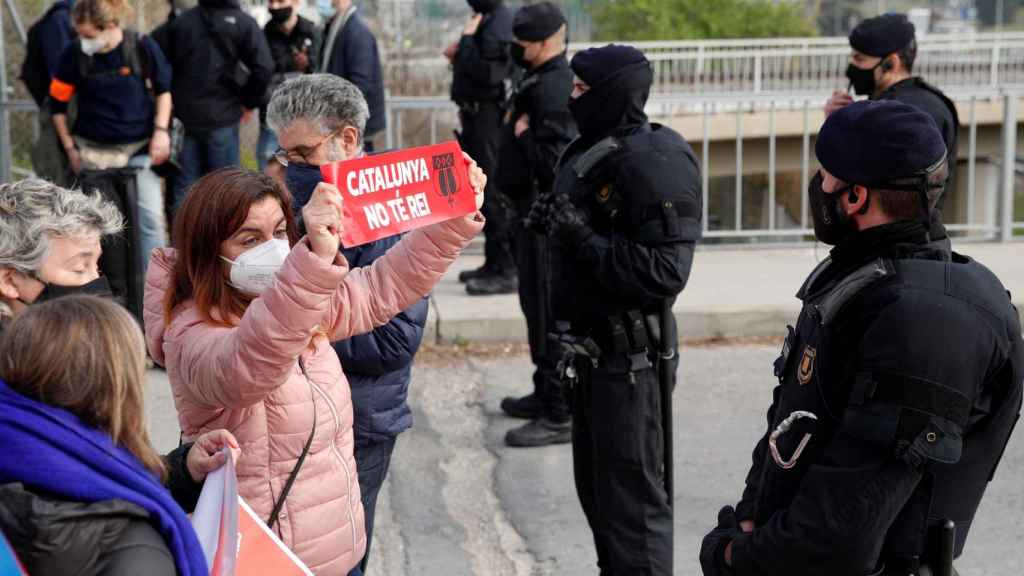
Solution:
(91, 46)
(255, 269)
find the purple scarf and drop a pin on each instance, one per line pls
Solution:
(48, 448)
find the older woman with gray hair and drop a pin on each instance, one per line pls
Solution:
(319, 119)
(50, 243)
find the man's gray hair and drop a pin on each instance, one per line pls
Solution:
(32, 211)
(326, 100)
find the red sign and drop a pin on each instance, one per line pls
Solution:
(386, 194)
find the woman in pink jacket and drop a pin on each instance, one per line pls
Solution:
(242, 312)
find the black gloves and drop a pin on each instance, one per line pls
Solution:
(712, 549)
(568, 222)
(556, 215)
(537, 219)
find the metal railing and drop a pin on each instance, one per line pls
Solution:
(783, 64)
(748, 204)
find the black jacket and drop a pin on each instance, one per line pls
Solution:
(110, 538)
(378, 364)
(526, 165)
(481, 63)
(643, 202)
(354, 57)
(923, 96)
(204, 98)
(305, 36)
(906, 433)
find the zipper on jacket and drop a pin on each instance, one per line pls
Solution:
(344, 464)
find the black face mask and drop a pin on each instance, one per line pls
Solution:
(831, 225)
(863, 80)
(518, 54)
(280, 15)
(98, 287)
(302, 180)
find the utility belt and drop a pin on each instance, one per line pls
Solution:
(473, 108)
(626, 342)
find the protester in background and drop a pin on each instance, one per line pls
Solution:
(378, 364)
(480, 71)
(295, 47)
(350, 51)
(242, 313)
(179, 6)
(80, 484)
(46, 41)
(222, 67)
(121, 82)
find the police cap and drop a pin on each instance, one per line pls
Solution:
(882, 35)
(594, 65)
(537, 22)
(873, 142)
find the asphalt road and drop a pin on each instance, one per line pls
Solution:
(458, 501)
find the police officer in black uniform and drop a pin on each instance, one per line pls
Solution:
(898, 388)
(481, 71)
(624, 218)
(881, 64)
(537, 130)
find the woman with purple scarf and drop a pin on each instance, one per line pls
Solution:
(81, 488)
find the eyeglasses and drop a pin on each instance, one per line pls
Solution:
(284, 157)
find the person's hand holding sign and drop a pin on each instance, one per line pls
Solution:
(322, 216)
(478, 180)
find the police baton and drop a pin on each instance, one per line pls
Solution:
(945, 547)
(666, 354)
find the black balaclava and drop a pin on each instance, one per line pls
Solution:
(620, 81)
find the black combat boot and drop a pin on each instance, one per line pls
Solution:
(481, 272)
(491, 285)
(527, 407)
(540, 432)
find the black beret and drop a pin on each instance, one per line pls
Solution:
(537, 22)
(873, 142)
(484, 6)
(594, 65)
(882, 35)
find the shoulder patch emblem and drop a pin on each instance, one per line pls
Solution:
(806, 371)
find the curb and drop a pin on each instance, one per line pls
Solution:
(693, 325)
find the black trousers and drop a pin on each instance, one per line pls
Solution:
(481, 133)
(534, 299)
(618, 462)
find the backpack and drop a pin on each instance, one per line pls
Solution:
(34, 72)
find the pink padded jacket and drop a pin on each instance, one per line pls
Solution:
(247, 378)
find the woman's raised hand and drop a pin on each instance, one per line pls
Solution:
(322, 217)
